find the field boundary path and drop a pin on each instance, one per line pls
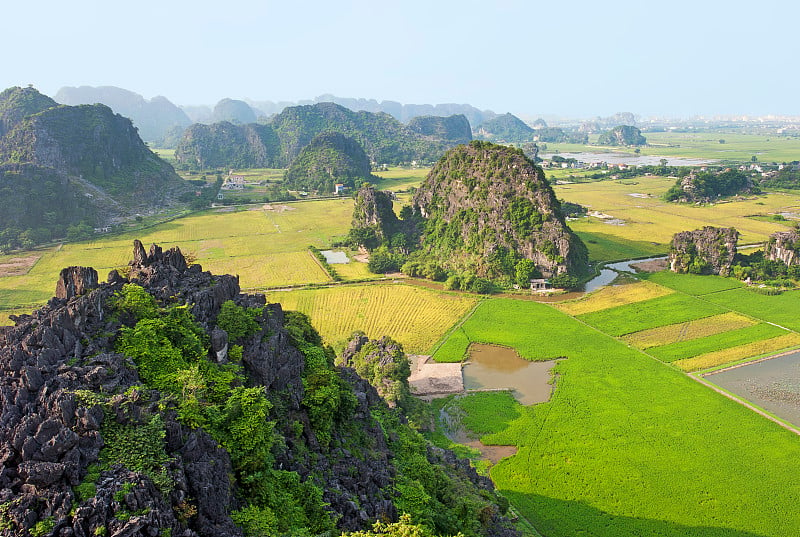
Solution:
(744, 402)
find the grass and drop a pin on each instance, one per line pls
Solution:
(611, 296)
(692, 284)
(681, 350)
(414, 316)
(782, 309)
(627, 445)
(604, 247)
(657, 220)
(669, 309)
(725, 356)
(267, 248)
(673, 333)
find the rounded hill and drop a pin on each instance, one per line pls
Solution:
(330, 158)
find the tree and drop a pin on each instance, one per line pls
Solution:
(525, 271)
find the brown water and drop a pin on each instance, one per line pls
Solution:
(494, 367)
(772, 384)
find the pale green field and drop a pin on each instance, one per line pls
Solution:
(654, 220)
(703, 145)
(266, 248)
(401, 178)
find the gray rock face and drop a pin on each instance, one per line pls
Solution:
(709, 250)
(373, 210)
(75, 281)
(784, 246)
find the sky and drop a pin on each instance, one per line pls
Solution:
(568, 58)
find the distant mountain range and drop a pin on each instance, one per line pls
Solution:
(160, 121)
(276, 143)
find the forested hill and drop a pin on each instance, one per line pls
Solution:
(329, 159)
(154, 118)
(63, 166)
(165, 402)
(384, 139)
(490, 211)
(506, 128)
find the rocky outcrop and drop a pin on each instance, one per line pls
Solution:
(153, 118)
(75, 281)
(67, 397)
(18, 103)
(383, 363)
(622, 135)
(74, 165)
(373, 211)
(784, 246)
(505, 128)
(225, 145)
(486, 200)
(709, 250)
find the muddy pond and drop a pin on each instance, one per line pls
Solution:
(772, 384)
(491, 367)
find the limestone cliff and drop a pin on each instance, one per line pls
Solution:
(487, 206)
(373, 212)
(709, 250)
(121, 415)
(784, 246)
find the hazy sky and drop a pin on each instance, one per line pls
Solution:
(573, 58)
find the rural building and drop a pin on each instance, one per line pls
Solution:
(538, 284)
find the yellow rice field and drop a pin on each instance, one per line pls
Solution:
(611, 296)
(707, 326)
(650, 218)
(713, 359)
(414, 316)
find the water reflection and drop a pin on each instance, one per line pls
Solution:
(772, 384)
(494, 367)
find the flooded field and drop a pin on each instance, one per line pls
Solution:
(772, 384)
(494, 367)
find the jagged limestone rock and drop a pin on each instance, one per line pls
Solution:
(483, 201)
(783, 246)
(710, 250)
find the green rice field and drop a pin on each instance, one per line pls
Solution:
(627, 445)
(669, 309)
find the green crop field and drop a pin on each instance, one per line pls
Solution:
(724, 340)
(607, 247)
(783, 309)
(691, 284)
(673, 333)
(701, 145)
(669, 309)
(628, 445)
(414, 316)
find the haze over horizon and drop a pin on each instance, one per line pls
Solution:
(579, 60)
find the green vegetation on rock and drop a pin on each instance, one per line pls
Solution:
(329, 158)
